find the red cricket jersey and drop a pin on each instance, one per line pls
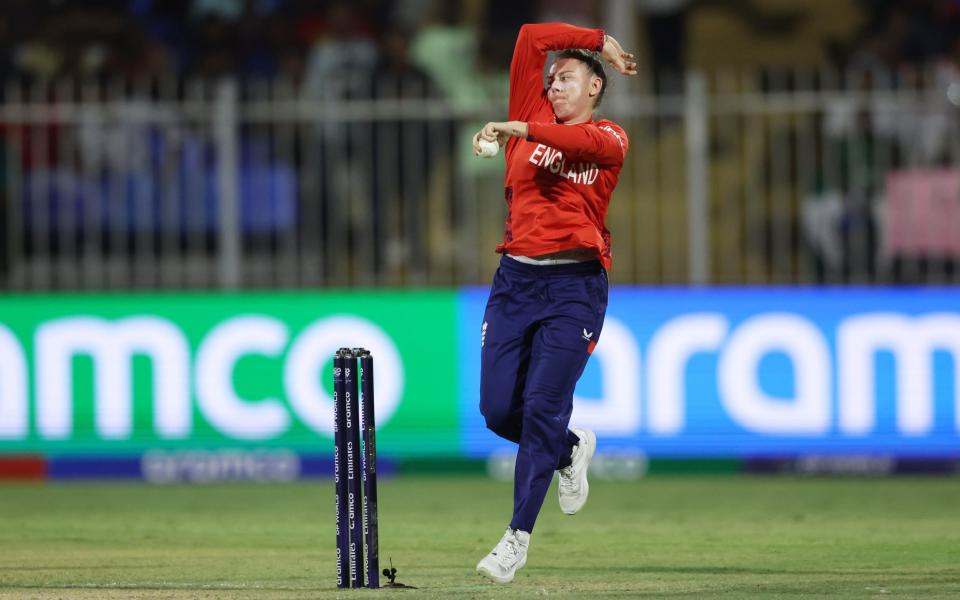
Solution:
(559, 180)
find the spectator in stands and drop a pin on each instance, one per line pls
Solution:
(459, 58)
(7, 44)
(341, 59)
(454, 56)
(165, 23)
(338, 67)
(666, 23)
(839, 215)
(214, 48)
(399, 186)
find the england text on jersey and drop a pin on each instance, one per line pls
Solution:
(552, 160)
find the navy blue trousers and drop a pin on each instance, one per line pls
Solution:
(540, 326)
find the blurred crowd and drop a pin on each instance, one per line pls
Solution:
(253, 39)
(454, 52)
(901, 33)
(307, 40)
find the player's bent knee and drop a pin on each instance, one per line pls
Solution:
(496, 420)
(502, 422)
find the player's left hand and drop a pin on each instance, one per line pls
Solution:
(616, 57)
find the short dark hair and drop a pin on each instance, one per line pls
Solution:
(593, 63)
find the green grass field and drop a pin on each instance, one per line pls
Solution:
(681, 536)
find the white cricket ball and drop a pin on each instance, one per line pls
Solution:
(488, 148)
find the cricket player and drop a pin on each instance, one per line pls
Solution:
(549, 296)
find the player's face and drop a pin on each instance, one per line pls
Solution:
(569, 87)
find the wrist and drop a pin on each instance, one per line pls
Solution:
(515, 129)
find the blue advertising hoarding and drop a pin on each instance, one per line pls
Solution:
(758, 372)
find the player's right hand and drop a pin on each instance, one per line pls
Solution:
(616, 57)
(476, 142)
(490, 133)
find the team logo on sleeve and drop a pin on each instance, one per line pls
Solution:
(615, 134)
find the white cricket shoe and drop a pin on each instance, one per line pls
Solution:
(509, 555)
(573, 488)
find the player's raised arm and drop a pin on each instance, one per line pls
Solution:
(530, 54)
